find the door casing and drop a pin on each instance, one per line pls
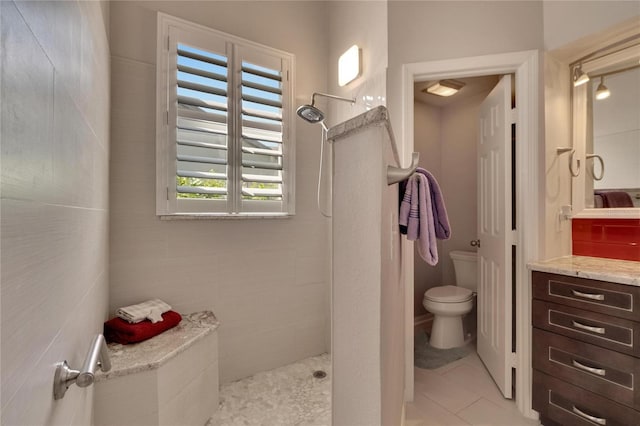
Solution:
(526, 67)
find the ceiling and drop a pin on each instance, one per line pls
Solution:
(473, 86)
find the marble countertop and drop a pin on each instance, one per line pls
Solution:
(617, 271)
(152, 353)
(378, 116)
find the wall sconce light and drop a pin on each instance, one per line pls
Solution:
(579, 77)
(602, 92)
(444, 87)
(349, 65)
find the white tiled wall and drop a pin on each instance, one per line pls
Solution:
(273, 309)
(367, 292)
(55, 153)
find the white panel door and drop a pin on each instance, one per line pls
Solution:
(494, 232)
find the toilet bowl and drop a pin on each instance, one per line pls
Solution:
(449, 303)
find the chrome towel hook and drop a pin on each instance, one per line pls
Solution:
(398, 174)
(98, 356)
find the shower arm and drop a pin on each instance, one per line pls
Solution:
(326, 95)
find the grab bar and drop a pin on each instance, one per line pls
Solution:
(98, 356)
(398, 174)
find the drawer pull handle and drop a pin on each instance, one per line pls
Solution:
(594, 419)
(598, 371)
(599, 330)
(588, 295)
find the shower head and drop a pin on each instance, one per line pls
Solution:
(310, 113)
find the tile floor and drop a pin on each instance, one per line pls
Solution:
(460, 393)
(457, 394)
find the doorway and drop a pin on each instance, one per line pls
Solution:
(526, 69)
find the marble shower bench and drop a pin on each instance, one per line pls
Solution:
(169, 379)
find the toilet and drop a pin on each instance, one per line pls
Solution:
(449, 303)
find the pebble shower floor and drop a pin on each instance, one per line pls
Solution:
(286, 396)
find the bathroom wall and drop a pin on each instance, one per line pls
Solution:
(363, 23)
(54, 197)
(266, 280)
(428, 31)
(566, 21)
(557, 179)
(572, 34)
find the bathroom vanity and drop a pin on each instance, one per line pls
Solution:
(586, 341)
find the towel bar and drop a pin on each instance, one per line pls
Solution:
(98, 356)
(398, 174)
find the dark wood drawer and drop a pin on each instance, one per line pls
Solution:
(602, 330)
(619, 300)
(571, 405)
(604, 372)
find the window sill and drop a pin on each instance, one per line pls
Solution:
(217, 216)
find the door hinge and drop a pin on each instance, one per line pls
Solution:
(514, 115)
(168, 43)
(167, 193)
(166, 116)
(513, 359)
(514, 237)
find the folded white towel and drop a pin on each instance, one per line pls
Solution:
(151, 309)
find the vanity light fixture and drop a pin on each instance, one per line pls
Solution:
(579, 77)
(349, 65)
(444, 87)
(602, 92)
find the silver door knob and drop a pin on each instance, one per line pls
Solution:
(475, 243)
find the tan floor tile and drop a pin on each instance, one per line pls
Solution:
(486, 413)
(438, 388)
(478, 381)
(431, 414)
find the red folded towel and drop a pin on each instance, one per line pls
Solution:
(120, 331)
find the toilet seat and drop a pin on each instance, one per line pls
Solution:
(448, 294)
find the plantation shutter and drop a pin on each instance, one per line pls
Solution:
(228, 141)
(262, 97)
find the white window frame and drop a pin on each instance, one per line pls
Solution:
(171, 31)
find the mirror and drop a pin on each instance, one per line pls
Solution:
(606, 130)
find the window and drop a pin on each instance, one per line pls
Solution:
(224, 133)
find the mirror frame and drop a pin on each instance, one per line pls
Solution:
(579, 123)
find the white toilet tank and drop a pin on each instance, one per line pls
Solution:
(465, 265)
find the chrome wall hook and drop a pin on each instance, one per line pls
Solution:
(398, 174)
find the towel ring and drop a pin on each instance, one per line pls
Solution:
(593, 166)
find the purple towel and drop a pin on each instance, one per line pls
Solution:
(441, 220)
(416, 214)
(423, 214)
(615, 199)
